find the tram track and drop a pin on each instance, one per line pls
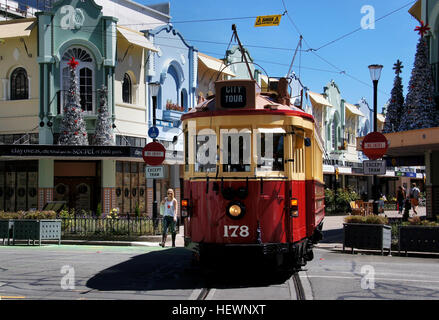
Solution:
(295, 288)
(298, 288)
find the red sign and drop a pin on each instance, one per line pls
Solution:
(154, 153)
(374, 145)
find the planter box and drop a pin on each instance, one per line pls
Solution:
(367, 236)
(418, 238)
(37, 230)
(6, 229)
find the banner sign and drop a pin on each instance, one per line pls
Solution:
(42, 150)
(268, 21)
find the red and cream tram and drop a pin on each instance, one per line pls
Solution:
(253, 179)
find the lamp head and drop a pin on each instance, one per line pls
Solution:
(375, 71)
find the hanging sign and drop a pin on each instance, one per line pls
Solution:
(268, 21)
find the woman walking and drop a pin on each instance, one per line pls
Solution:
(400, 197)
(169, 217)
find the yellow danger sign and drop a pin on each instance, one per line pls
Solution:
(267, 21)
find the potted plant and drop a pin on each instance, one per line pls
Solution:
(419, 235)
(37, 225)
(30, 225)
(369, 232)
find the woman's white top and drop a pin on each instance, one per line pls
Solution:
(169, 208)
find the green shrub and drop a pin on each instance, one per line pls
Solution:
(99, 210)
(36, 215)
(354, 219)
(137, 211)
(370, 219)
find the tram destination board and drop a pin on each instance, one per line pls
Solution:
(233, 97)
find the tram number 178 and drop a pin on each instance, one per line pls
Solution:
(236, 231)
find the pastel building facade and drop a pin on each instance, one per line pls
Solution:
(116, 43)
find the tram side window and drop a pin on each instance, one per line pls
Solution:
(236, 150)
(270, 151)
(186, 151)
(205, 157)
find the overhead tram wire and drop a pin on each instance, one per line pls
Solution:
(360, 28)
(310, 49)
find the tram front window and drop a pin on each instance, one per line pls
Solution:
(205, 152)
(270, 150)
(236, 150)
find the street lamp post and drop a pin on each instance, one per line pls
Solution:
(154, 88)
(375, 73)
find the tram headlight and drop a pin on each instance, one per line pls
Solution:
(235, 210)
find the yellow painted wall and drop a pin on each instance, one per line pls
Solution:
(131, 119)
(17, 116)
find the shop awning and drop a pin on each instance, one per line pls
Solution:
(353, 109)
(319, 99)
(17, 28)
(214, 64)
(136, 38)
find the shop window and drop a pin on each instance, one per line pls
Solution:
(85, 74)
(19, 84)
(126, 89)
(86, 89)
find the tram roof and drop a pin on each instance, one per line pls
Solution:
(265, 105)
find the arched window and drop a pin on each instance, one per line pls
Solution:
(85, 74)
(126, 89)
(19, 84)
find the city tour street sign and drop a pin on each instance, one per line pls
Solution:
(374, 145)
(374, 167)
(154, 153)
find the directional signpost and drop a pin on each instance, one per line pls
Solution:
(153, 132)
(154, 153)
(374, 145)
(374, 167)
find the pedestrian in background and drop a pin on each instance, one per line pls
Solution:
(169, 217)
(400, 196)
(414, 197)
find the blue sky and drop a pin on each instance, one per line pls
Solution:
(319, 22)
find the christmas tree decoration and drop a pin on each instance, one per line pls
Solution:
(422, 30)
(419, 110)
(104, 129)
(73, 127)
(394, 109)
